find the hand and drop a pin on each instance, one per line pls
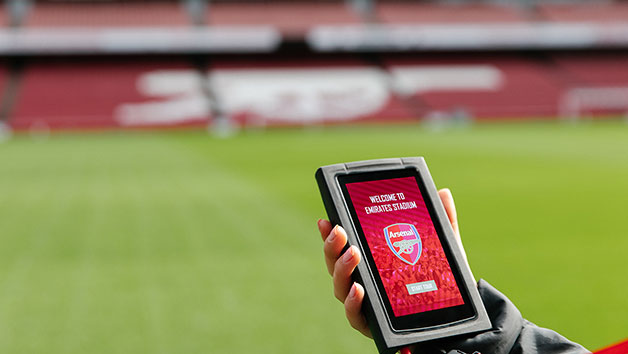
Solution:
(340, 266)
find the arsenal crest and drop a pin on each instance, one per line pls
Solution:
(404, 241)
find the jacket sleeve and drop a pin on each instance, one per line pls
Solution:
(511, 333)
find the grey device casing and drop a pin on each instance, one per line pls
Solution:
(386, 338)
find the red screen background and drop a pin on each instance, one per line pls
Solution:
(395, 274)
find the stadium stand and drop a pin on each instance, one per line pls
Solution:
(584, 12)
(599, 69)
(448, 13)
(124, 27)
(141, 63)
(598, 84)
(106, 14)
(4, 16)
(309, 91)
(501, 86)
(292, 18)
(89, 94)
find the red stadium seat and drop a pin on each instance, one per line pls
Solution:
(601, 69)
(100, 94)
(4, 20)
(418, 13)
(585, 12)
(292, 19)
(305, 92)
(103, 14)
(598, 83)
(494, 88)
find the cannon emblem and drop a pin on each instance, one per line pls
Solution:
(404, 241)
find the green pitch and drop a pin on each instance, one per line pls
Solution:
(182, 243)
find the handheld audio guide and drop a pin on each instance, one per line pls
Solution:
(417, 283)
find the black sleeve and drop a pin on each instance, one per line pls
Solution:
(511, 333)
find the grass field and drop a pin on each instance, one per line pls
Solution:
(176, 242)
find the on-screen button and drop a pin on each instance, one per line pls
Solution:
(422, 287)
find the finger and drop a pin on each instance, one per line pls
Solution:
(334, 243)
(342, 272)
(353, 310)
(450, 208)
(324, 227)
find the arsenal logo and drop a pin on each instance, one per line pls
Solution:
(404, 241)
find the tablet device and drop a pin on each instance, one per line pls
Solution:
(417, 283)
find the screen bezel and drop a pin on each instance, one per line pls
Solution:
(422, 320)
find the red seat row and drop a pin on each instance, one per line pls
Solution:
(295, 18)
(103, 14)
(114, 93)
(83, 95)
(601, 69)
(416, 12)
(584, 12)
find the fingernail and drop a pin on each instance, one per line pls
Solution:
(332, 235)
(348, 255)
(352, 291)
(319, 222)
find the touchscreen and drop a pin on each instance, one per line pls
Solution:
(404, 245)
